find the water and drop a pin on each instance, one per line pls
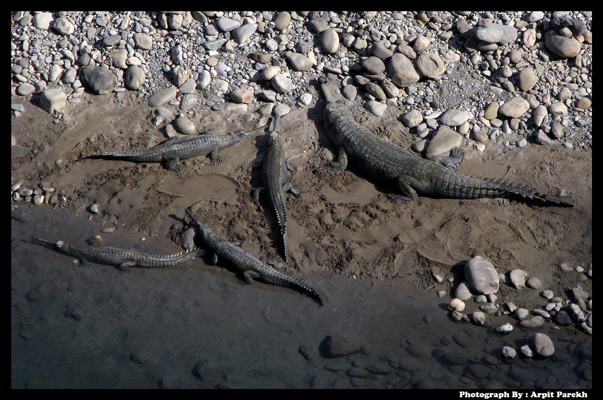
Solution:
(200, 326)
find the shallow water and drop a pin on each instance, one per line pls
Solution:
(200, 326)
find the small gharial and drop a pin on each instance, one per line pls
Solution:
(172, 150)
(252, 267)
(411, 174)
(275, 183)
(123, 257)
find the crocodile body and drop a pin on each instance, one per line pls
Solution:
(175, 149)
(411, 174)
(252, 267)
(123, 257)
(274, 179)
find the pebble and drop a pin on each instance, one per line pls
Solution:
(330, 41)
(412, 118)
(282, 83)
(375, 107)
(243, 33)
(242, 95)
(185, 126)
(375, 90)
(163, 96)
(401, 71)
(444, 140)
(564, 47)
(298, 61)
(509, 352)
(504, 328)
(25, 89)
(539, 114)
(99, 80)
(134, 77)
(453, 117)
(430, 65)
(527, 79)
(338, 346)
(532, 322)
(518, 278)
(456, 305)
(542, 344)
(514, 108)
(481, 275)
(52, 99)
(283, 20)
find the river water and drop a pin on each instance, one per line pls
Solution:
(199, 326)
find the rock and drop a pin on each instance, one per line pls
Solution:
(99, 80)
(509, 352)
(242, 95)
(534, 283)
(401, 71)
(375, 107)
(492, 110)
(52, 99)
(564, 47)
(63, 26)
(456, 305)
(562, 318)
(509, 35)
(527, 79)
(282, 83)
(143, 41)
(42, 20)
(444, 140)
(481, 275)
(584, 103)
(375, 90)
(25, 89)
(462, 291)
(282, 20)
(478, 317)
(539, 115)
(421, 44)
(330, 41)
(504, 328)
(412, 118)
(430, 65)
(163, 96)
(533, 322)
(518, 278)
(380, 51)
(119, 57)
(298, 61)
(490, 32)
(244, 32)
(526, 351)
(338, 346)
(374, 65)
(453, 117)
(514, 108)
(185, 126)
(226, 24)
(542, 344)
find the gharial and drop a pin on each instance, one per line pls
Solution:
(412, 175)
(178, 148)
(252, 267)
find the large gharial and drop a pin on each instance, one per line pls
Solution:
(275, 183)
(252, 267)
(178, 148)
(412, 175)
(122, 257)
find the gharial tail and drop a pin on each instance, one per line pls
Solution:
(470, 187)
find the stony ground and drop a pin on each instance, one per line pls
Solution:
(523, 112)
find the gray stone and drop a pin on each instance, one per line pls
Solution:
(282, 83)
(119, 57)
(42, 20)
(376, 108)
(52, 99)
(518, 278)
(375, 90)
(564, 47)
(282, 20)
(533, 322)
(330, 41)
(412, 118)
(226, 24)
(99, 80)
(163, 96)
(489, 32)
(539, 115)
(453, 117)
(401, 71)
(143, 41)
(543, 345)
(244, 32)
(527, 79)
(444, 140)
(338, 346)
(25, 89)
(373, 65)
(299, 61)
(63, 26)
(430, 65)
(185, 126)
(134, 77)
(481, 275)
(514, 108)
